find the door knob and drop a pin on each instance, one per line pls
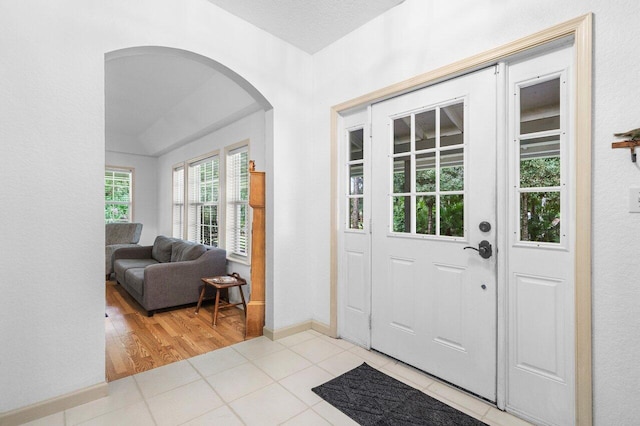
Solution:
(484, 249)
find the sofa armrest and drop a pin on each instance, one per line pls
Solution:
(137, 252)
(175, 283)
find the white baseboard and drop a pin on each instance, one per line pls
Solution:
(53, 405)
(297, 328)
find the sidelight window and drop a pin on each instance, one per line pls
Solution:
(355, 173)
(539, 143)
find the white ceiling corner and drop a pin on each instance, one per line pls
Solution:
(310, 25)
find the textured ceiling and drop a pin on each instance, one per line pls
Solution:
(310, 25)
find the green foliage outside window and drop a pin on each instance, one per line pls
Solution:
(451, 206)
(540, 211)
(117, 195)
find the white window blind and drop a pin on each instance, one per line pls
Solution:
(237, 224)
(203, 192)
(118, 195)
(178, 202)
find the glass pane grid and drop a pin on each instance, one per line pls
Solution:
(431, 202)
(355, 181)
(538, 152)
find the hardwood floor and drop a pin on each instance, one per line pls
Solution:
(137, 343)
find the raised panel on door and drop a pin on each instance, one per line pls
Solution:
(449, 306)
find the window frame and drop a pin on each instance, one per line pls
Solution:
(222, 205)
(562, 133)
(229, 204)
(189, 201)
(131, 171)
(438, 149)
(355, 196)
(179, 169)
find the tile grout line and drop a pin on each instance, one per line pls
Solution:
(204, 379)
(144, 398)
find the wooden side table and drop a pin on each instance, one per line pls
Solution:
(222, 283)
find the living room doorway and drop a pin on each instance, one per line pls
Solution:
(164, 106)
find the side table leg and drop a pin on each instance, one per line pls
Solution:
(215, 308)
(204, 287)
(244, 304)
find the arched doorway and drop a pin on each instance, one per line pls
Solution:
(167, 110)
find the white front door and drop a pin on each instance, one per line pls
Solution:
(434, 178)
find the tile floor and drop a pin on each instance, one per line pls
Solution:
(257, 382)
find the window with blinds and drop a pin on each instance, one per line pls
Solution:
(178, 202)
(118, 195)
(203, 192)
(237, 200)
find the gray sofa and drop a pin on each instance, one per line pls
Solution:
(119, 235)
(168, 273)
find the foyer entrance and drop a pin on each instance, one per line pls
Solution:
(459, 221)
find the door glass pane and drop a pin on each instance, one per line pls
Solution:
(452, 215)
(540, 217)
(402, 135)
(540, 107)
(425, 130)
(426, 172)
(356, 180)
(356, 151)
(452, 170)
(540, 162)
(426, 214)
(452, 125)
(402, 174)
(401, 214)
(355, 213)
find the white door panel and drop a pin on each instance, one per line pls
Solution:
(354, 271)
(540, 284)
(434, 303)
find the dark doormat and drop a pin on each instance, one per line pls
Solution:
(372, 398)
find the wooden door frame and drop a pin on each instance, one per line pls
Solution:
(581, 30)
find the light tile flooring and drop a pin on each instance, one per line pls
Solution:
(256, 382)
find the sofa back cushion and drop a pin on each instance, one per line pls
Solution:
(161, 250)
(122, 233)
(186, 250)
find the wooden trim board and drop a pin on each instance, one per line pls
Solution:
(580, 29)
(297, 328)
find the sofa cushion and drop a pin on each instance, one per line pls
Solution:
(122, 265)
(161, 250)
(108, 253)
(185, 250)
(122, 233)
(134, 277)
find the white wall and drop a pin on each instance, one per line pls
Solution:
(419, 36)
(52, 163)
(145, 190)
